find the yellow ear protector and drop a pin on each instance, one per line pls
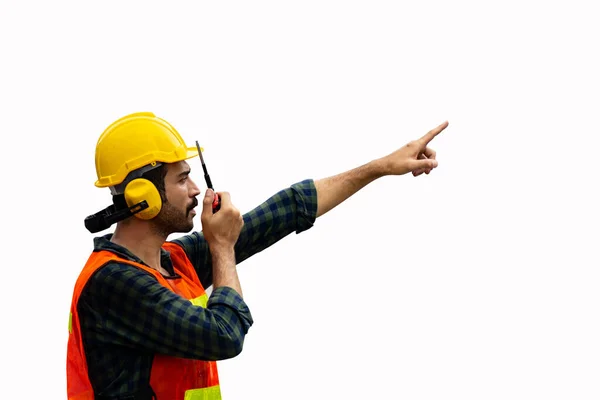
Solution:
(141, 189)
(139, 197)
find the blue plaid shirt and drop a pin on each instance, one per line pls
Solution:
(122, 328)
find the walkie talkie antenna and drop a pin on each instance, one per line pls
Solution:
(206, 176)
(216, 205)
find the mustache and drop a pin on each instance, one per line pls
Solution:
(193, 205)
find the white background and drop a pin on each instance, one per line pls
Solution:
(479, 281)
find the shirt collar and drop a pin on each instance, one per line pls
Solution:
(104, 243)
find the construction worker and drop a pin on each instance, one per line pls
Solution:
(141, 325)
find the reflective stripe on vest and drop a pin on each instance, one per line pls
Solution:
(171, 377)
(201, 301)
(209, 393)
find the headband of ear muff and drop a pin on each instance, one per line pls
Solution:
(141, 189)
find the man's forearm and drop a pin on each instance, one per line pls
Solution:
(224, 269)
(335, 189)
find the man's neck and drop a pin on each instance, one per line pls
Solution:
(141, 241)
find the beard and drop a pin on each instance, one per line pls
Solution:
(170, 219)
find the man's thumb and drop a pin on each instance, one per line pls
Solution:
(425, 164)
(207, 202)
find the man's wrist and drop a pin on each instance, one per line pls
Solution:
(377, 168)
(221, 251)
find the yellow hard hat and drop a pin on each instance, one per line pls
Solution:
(134, 141)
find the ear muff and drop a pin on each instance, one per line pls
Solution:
(141, 189)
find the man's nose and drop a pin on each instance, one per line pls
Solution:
(194, 189)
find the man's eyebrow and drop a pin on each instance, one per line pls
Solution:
(184, 173)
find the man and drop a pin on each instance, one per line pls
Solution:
(142, 326)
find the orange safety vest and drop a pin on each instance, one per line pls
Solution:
(171, 378)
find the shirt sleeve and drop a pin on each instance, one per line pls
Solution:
(290, 210)
(125, 305)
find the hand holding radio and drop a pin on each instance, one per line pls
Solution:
(224, 228)
(221, 230)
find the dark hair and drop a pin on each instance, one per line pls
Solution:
(157, 177)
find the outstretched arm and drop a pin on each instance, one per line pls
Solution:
(297, 207)
(415, 157)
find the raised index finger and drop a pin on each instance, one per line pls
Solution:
(428, 137)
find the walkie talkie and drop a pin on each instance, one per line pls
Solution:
(216, 205)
